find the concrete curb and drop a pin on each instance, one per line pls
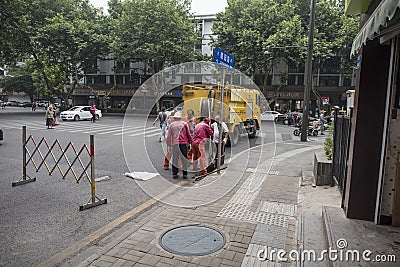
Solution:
(330, 238)
(300, 239)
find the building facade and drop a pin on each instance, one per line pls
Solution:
(285, 86)
(372, 190)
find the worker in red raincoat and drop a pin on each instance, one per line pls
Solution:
(202, 132)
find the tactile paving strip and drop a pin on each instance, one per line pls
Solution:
(238, 207)
(277, 208)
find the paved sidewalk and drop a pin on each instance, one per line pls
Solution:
(374, 245)
(256, 216)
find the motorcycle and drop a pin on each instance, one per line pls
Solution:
(312, 129)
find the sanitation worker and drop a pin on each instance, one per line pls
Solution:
(202, 132)
(179, 139)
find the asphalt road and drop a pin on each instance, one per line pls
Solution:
(42, 218)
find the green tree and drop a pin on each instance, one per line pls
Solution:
(334, 32)
(13, 31)
(19, 79)
(248, 28)
(62, 37)
(156, 32)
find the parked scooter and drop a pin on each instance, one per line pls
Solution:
(312, 129)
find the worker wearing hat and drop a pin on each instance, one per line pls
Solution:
(179, 139)
(202, 132)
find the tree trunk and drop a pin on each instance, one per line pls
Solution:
(42, 71)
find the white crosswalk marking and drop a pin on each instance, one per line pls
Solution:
(146, 131)
(89, 128)
(107, 129)
(127, 130)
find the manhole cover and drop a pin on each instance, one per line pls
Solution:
(192, 240)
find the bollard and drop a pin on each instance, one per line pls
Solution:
(92, 202)
(24, 179)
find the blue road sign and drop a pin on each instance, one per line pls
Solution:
(223, 58)
(358, 62)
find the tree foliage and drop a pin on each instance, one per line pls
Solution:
(62, 37)
(157, 32)
(248, 28)
(19, 79)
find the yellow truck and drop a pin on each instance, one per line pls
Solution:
(241, 109)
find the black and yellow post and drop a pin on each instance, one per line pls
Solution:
(92, 202)
(25, 178)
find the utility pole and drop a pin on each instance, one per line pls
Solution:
(221, 114)
(308, 78)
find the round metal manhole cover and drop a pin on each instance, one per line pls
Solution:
(192, 240)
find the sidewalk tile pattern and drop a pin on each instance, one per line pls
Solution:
(258, 215)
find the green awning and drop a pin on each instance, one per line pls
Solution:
(383, 13)
(353, 7)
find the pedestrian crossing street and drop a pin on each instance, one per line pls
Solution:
(97, 128)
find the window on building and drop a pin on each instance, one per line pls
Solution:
(100, 79)
(346, 81)
(300, 80)
(197, 67)
(291, 80)
(185, 78)
(199, 28)
(295, 67)
(329, 81)
(120, 79)
(198, 78)
(91, 67)
(330, 66)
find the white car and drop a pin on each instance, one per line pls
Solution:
(270, 115)
(169, 110)
(79, 113)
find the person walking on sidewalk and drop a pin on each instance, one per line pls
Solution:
(179, 139)
(49, 115)
(322, 120)
(54, 123)
(202, 132)
(93, 110)
(162, 117)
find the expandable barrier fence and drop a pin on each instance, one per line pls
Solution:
(28, 157)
